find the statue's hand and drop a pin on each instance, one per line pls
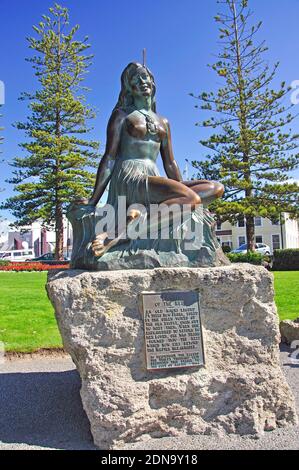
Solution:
(84, 202)
(80, 207)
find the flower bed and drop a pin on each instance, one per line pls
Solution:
(28, 266)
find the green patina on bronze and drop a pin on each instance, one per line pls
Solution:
(136, 135)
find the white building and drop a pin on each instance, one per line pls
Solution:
(277, 235)
(36, 237)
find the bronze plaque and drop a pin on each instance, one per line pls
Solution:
(172, 327)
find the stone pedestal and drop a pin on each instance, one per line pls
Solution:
(289, 331)
(241, 390)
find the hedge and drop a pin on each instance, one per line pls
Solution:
(251, 257)
(286, 260)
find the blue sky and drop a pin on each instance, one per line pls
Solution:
(180, 37)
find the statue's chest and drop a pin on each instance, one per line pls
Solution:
(142, 127)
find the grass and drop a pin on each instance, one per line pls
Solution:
(27, 321)
(287, 294)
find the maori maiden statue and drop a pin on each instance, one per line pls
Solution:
(129, 231)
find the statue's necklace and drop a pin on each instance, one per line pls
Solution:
(151, 126)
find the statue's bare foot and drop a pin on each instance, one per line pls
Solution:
(98, 244)
(101, 245)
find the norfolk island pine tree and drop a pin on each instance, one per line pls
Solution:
(252, 148)
(59, 161)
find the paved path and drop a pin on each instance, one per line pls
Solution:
(40, 405)
(40, 408)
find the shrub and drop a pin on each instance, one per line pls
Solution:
(226, 249)
(252, 258)
(4, 262)
(286, 260)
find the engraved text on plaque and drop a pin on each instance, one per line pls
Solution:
(173, 335)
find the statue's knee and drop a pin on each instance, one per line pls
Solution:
(196, 200)
(219, 189)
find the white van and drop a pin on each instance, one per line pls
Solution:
(17, 255)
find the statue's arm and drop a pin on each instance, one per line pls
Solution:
(170, 165)
(108, 160)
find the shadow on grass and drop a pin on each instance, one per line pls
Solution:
(43, 409)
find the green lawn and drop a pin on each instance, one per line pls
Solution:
(27, 321)
(287, 294)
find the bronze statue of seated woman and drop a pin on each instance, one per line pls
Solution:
(136, 135)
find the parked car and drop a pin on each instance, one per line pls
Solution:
(17, 255)
(259, 248)
(47, 257)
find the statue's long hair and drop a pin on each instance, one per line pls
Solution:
(125, 99)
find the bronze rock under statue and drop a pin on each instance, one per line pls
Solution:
(148, 221)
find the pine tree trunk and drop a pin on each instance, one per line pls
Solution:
(250, 233)
(245, 144)
(59, 233)
(58, 211)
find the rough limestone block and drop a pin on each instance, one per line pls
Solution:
(242, 389)
(289, 331)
